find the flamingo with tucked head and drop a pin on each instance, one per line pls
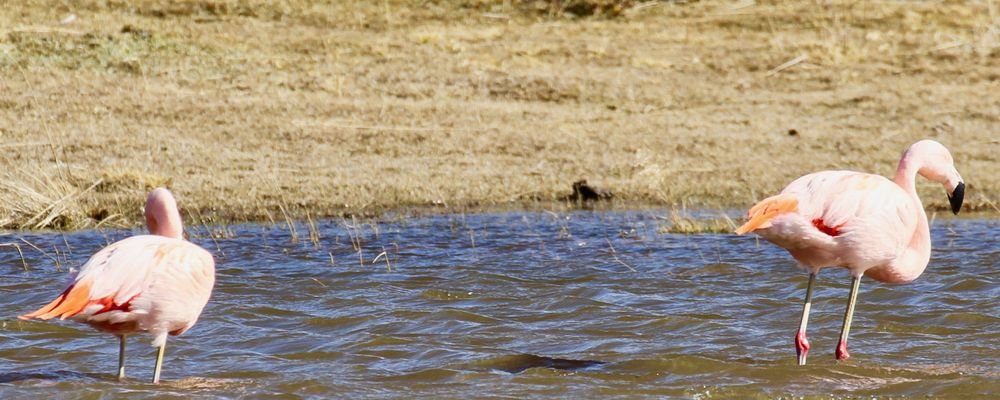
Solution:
(156, 283)
(866, 223)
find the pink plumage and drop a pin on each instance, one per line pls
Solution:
(156, 283)
(866, 223)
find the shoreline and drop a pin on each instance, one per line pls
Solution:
(677, 219)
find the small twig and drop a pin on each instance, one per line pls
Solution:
(623, 263)
(45, 253)
(641, 6)
(106, 219)
(320, 283)
(946, 46)
(611, 246)
(354, 231)
(790, 63)
(313, 230)
(496, 16)
(991, 204)
(37, 248)
(289, 223)
(69, 249)
(740, 8)
(614, 254)
(45, 29)
(729, 221)
(388, 267)
(16, 246)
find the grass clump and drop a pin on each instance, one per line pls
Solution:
(41, 202)
(681, 222)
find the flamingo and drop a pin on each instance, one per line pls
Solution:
(156, 283)
(863, 222)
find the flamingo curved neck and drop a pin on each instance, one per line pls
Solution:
(165, 222)
(172, 229)
(917, 253)
(162, 216)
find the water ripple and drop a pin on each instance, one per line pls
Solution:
(520, 305)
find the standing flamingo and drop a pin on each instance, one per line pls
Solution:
(155, 283)
(862, 222)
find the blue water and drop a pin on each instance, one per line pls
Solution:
(515, 305)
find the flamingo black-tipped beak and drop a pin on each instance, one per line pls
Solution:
(956, 197)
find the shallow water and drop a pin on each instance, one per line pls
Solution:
(517, 305)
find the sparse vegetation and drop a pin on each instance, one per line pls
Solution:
(267, 110)
(680, 221)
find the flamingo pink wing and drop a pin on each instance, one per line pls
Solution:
(110, 279)
(869, 213)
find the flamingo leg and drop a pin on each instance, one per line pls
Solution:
(842, 353)
(801, 342)
(121, 357)
(159, 362)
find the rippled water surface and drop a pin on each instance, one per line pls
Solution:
(517, 305)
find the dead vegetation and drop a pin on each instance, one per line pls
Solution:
(682, 222)
(266, 110)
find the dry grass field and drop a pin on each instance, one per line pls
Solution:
(254, 110)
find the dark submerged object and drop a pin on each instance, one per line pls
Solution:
(521, 362)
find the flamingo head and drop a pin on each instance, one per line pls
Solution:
(162, 217)
(936, 164)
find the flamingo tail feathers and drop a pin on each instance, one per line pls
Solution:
(71, 302)
(761, 213)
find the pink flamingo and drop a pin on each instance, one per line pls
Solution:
(155, 283)
(862, 222)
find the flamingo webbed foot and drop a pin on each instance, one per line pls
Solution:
(801, 346)
(842, 353)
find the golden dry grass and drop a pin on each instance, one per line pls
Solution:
(254, 110)
(680, 221)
